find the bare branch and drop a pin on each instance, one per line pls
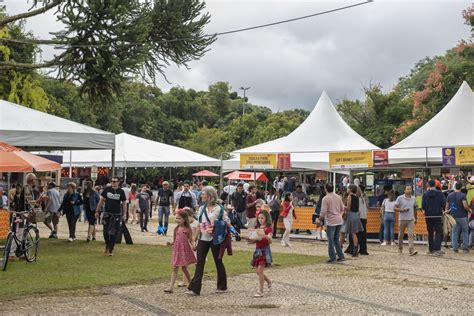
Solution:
(8, 65)
(13, 18)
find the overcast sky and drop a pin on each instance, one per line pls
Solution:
(289, 65)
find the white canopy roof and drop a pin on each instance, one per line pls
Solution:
(133, 151)
(452, 126)
(322, 132)
(25, 127)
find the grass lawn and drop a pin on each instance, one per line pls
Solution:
(81, 265)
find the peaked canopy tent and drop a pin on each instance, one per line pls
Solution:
(27, 128)
(452, 126)
(133, 151)
(309, 144)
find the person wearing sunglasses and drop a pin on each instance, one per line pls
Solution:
(115, 211)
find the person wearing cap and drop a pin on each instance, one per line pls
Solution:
(53, 202)
(164, 200)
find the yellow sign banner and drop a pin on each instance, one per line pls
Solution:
(464, 156)
(258, 161)
(351, 160)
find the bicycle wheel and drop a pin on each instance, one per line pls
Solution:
(31, 241)
(6, 251)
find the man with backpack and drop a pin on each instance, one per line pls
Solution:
(237, 200)
(458, 208)
(433, 204)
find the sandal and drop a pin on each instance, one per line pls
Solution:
(182, 285)
(258, 295)
(169, 291)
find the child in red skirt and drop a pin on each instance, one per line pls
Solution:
(183, 248)
(262, 257)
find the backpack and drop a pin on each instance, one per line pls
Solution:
(220, 226)
(453, 206)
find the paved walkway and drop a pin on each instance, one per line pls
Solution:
(382, 283)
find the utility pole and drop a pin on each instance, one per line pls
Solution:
(245, 99)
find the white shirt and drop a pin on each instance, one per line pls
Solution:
(362, 208)
(213, 216)
(389, 206)
(127, 192)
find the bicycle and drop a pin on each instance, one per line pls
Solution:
(26, 245)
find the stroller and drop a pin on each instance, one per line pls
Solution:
(235, 225)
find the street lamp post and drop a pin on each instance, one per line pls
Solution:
(245, 99)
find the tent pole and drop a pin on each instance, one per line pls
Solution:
(113, 162)
(70, 164)
(8, 191)
(334, 179)
(125, 174)
(221, 179)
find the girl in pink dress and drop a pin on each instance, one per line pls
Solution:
(183, 248)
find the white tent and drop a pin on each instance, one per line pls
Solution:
(24, 127)
(322, 132)
(133, 151)
(452, 126)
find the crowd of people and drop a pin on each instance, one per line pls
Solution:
(200, 215)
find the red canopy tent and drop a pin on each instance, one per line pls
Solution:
(13, 159)
(243, 175)
(205, 173)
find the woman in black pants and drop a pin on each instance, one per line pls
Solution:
(70, 206)
(208, 213)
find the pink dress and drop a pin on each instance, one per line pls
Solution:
(183, 254)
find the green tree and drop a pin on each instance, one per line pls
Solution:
(209, 141)
(105, 41)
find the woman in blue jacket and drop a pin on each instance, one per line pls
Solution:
(71, 206)
(91, 199)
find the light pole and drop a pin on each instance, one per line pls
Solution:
(245, 99)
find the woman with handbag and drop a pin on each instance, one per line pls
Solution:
(70, 206)
(353, 224)
(209, 213)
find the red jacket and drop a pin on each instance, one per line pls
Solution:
(286, 209)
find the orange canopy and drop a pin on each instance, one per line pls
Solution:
(205, 173)
(242, 175)
(13, 159)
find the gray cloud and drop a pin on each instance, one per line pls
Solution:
(289, 65)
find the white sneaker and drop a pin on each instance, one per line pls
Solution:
(383, 244)
(70, 239)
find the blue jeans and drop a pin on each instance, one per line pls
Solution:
(460, 227)
(163, 210)
(381, 230)
(389, 224)
(334, 246)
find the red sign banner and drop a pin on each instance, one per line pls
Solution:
(284, 161)
(380, 158)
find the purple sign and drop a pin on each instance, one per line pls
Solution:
(449, 156)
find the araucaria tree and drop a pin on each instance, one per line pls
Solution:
(105, 41)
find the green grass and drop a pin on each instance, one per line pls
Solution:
(80, 265)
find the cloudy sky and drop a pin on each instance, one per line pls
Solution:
(289, 65)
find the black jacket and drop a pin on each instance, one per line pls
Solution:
(433, 203)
